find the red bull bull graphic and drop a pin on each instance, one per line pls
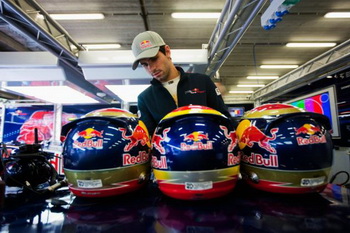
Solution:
(138, 135)
(20, 124)
(252, 135)
(196, 136)
(93, 139)
(232, 136)
(307, 129)
(158, 139)
(145, 44)
(90, 133)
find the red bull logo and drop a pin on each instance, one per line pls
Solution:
(232, 136)
(158, 139)
(252, 135)
(196, 136)
(308, 129)
(194, 91)
(313, 135)
(90, 142)
(259, 160)
(145, 44)
(193, 141)
(138, 135)
(90, 133)
(142, 157)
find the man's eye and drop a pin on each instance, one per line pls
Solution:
(153, 59)
(144, 64)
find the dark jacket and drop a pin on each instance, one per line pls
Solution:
(197, 89)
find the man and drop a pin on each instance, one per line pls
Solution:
(170, 87)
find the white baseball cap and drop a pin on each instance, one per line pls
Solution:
(146, 45)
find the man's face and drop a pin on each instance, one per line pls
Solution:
(159, 66)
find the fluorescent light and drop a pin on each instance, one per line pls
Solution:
(240, 92)
(77, 16)
(278, 66)
(250, 85)
(127, 93)
(310, 45)
(337, 15)
(193, 15)
(101, 46)
(262, 77)
(53, 94)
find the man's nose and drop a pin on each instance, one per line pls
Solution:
(151, 65)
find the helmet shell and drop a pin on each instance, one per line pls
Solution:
(284, 149)
(195, 154)
(106, 153)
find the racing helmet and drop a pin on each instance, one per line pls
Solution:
(195, 154)
(285, 149)
(106, 153)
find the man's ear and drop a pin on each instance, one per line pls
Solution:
(167, 51)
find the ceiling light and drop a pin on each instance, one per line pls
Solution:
(240, 92)
(53, 94)
(77, 16)
(250, 85)
(310, 45)
(337, 15)
(101, 46)
(278, 66)
(41, 75)
(262, 77)
(193, 15)
(127, 93)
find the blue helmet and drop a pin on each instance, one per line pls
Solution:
(284, 149)
(194, 154)
(106, 153)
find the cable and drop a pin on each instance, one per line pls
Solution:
(336, 174)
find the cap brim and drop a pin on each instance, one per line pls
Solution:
(152, 52)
